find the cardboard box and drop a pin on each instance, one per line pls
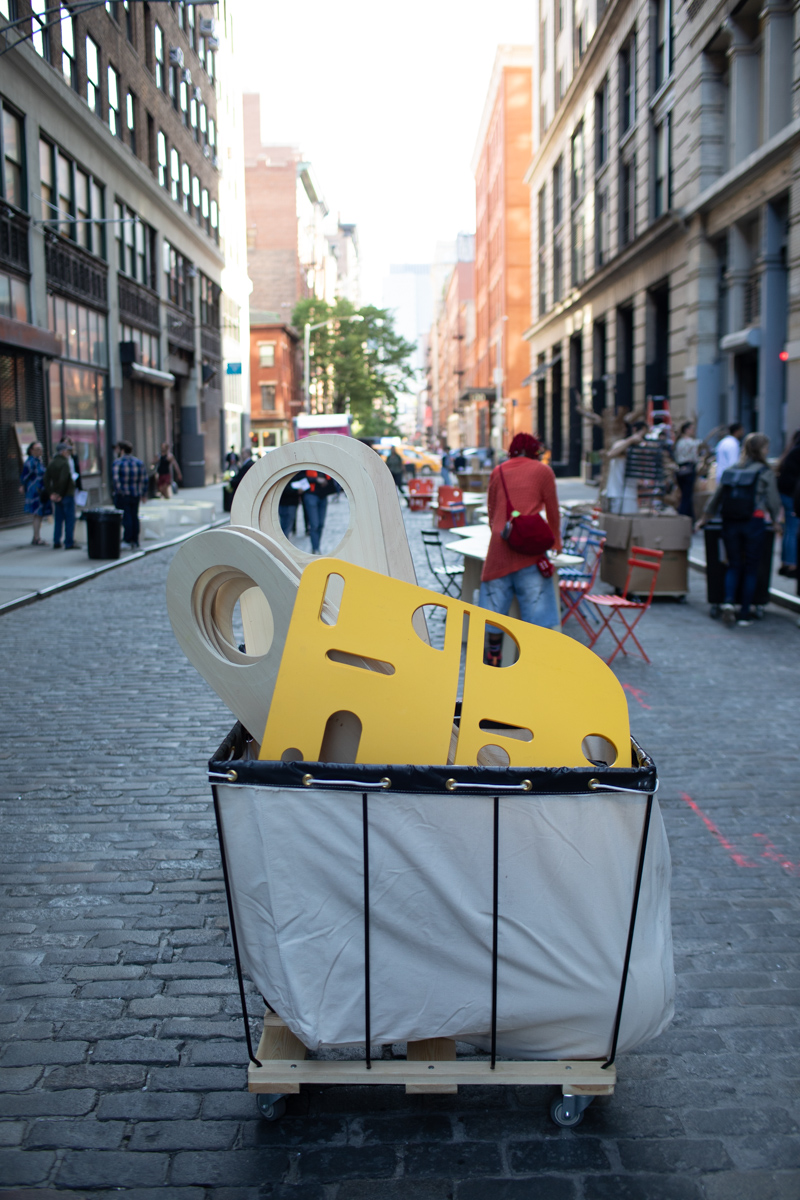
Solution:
(672, 534)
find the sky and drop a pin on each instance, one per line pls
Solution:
(385, 101)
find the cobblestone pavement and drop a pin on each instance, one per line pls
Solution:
(123, 1061)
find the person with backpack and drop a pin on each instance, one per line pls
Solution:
(746, 494)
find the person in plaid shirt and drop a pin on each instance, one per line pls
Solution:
(129, 476)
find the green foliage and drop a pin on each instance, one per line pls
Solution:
(361, 367)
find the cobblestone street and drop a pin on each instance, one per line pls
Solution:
(123, 1066)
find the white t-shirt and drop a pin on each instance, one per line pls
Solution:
(728, 453)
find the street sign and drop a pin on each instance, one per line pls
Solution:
(233, 369)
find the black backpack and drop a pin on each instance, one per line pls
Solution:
(739, 493)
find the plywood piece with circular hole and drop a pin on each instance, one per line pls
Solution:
(375, 537)
(208, 575)
(256, 616)
(555, 695)
(406, 715)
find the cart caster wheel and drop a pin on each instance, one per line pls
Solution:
(270, 1106)
(567, 1111)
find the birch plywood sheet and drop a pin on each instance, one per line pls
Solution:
(208, 575)
(556, 695)
(375, 537)
(403, 714)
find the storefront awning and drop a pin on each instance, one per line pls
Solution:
(23, 336)
(143, 374)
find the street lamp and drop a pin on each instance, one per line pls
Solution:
(307, 331)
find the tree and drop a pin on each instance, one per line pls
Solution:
(361, 367)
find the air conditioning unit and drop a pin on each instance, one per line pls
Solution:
(186, 76)
(175, 56)
(212, 43)
(206, 151)
(207, 26)
(215, 161)
(197, 94)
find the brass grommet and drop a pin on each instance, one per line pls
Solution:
(593, 785)
(232, 776)
(527, 785)
(450, 785)
(308, 780)
(386, 783)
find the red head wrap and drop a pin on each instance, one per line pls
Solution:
(525, 443)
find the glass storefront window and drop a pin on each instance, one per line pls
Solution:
(82, 331)
(81, 417)
(14, 298)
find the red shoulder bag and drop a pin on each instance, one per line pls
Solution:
(526, 534)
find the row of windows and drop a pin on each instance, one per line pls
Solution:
(176, 177)
(176, 80)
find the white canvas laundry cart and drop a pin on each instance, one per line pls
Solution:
(524, 911)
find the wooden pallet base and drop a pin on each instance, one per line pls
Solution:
(431, 1066)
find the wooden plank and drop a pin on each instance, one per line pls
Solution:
(278, 1042)
(431, 1050)
(285, 1076)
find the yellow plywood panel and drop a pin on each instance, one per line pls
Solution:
(404, 704)
(557, 694)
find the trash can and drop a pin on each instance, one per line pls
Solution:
(103, 532)
(448, 915)
(717, 565)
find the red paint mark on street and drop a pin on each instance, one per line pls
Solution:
(637, 694)
(741, 860)
(773, 854)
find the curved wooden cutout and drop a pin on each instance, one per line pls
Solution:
(209, 573)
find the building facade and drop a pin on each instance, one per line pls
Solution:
(110, 189)
(502, 255)
(452, 341)
(276, 375)
(665, 258)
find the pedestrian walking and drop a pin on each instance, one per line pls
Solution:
(37, 502)
(58, 484)
(729, 448)
(459, 461)
(788, 484)
(129, 477)
(447, 467)
(166, 469)
(686, 453)
(290, 499)
(520, 486)
(395, 464)
(315, 504)
(746, 494)
(231, 459)
(622, 494)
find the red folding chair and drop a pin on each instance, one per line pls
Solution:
(452, 512)
(610, 606)
(573, 591)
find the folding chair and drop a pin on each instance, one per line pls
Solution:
(609, 606)
(575, 583)
(452, 511)
(449, 576)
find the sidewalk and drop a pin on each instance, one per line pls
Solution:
(27, 571)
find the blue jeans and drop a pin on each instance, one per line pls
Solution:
(64, 517)
(535, 594)
(130, 517)
(314, 507)
(686, 485)
(287, 515)
(744, 542)
(790, 530)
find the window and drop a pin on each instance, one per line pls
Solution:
(663, 43)
(558, 270)
(71, 198)
(196, 197)
(601, 126)
(542, 244)
(126, 7)
(81, 329)
(83, 227)
(186, 186)
(178, 277)
(149, 349)
(12, 181)
(145, 254)
(214, 221)
(14, 298)
(175, 174)
(266, 354)
(68, 48)
(627, 199)
(209, 302)
(558, 214)
(578, 165)
(135, 246)
(162, 160)
(172, 77)
(662, 197)
(578, 262)
(268, 393)
(114, 119)
(183, 92)
(204, 209)
(46, 184)
(193, 117)
(93, 75)
(130, 119)
(41, 34)
(212, 134)
(189, 27)
(204, 122)
(158, 50)
(601, 247)
(7, 10)
(210, 62)
(64, 194)
(627, 85)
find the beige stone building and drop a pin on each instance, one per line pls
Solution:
(665, 234)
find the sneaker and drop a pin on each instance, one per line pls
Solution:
(745, 621)
(72, 547)
(56, 545)
(728, 614)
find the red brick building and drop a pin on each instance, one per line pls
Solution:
(502, 250)
(275, 383)
(454, 345)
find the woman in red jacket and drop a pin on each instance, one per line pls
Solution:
(506, 573)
